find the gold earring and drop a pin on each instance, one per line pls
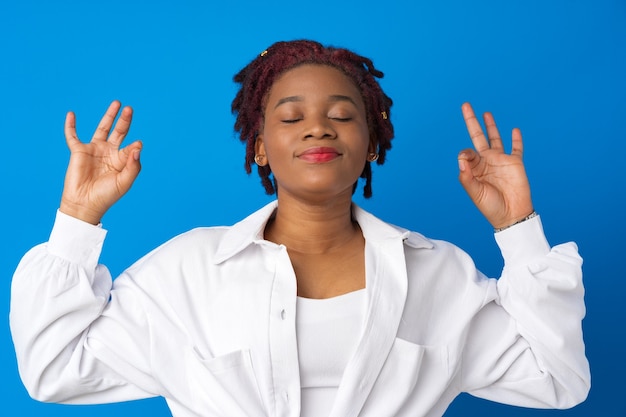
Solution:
(372, 157)
(259, 159)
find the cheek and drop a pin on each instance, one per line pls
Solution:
(277, 152)
(368, 139)
(273, 146)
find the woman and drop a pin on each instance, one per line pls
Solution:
(310, 306)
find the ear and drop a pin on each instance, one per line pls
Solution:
(373, 146)
(259, 151)
(259, 146)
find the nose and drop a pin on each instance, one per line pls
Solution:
(319, 127)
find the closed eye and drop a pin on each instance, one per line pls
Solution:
(290, 120)
(342, 119)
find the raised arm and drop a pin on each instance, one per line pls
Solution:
(59, 292)
(539, 298)
(99, 172)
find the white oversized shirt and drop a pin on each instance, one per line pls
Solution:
(207, 321)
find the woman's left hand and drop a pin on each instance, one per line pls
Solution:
(495, 181)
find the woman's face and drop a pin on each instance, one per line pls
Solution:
(315, 135)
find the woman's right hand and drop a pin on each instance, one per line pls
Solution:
(99, 172)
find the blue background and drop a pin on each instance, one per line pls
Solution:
(557, 69)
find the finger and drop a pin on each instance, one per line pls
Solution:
(467, 178)
(517, 146)
(121, 127)
(104, 127)
(70, 130)
(132, 167)
(124, 153)
(474, 129)
(468, 159)
(495, 141)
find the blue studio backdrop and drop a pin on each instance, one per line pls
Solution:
(556, 69)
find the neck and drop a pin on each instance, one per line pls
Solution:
(312, 228)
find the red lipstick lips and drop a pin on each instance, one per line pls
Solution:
(319, 154)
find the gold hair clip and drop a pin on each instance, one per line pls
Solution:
(264, 53)
(384, 114)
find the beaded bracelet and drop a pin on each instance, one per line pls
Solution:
(530, 216)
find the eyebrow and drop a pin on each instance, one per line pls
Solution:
(290, 99)
(338, 97)
(332, 98)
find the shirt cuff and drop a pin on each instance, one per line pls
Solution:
(523, 242)
(75, 240)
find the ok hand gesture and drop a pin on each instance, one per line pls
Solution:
(495, 181)
(99, 172)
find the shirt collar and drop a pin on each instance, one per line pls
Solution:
(250, 231)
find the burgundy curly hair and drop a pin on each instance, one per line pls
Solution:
(258, 76)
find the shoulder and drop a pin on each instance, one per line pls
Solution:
(203, 237)
(436, 260)
(201, 242)
(415, 240)
(207, 247)
(447, 272)
(437, 250)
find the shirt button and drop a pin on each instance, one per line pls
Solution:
(283, 314)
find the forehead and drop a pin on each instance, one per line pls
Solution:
(313, 78)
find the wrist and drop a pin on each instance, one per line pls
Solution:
(530, 216)
(80, 212)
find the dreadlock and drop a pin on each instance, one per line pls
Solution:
(258, 76)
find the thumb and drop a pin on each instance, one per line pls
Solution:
(468, 159)
(133, 165)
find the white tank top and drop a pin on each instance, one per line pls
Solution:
(328, 331)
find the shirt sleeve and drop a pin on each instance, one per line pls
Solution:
(58, 292)
(537, 359)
